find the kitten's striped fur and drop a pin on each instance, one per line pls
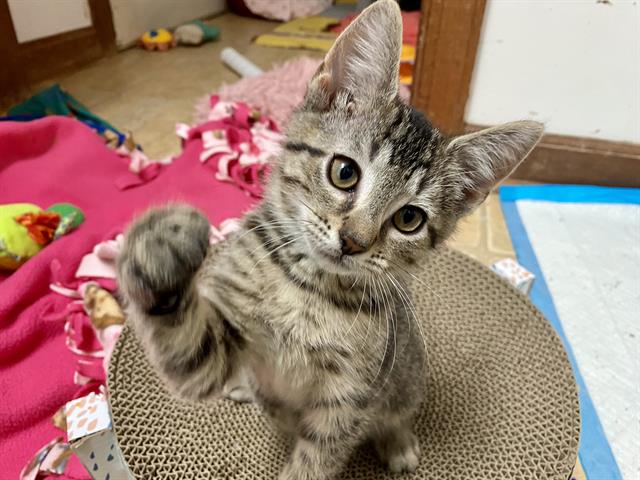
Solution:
(325, 341)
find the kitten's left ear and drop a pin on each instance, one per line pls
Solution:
(364, 60)
(487, 157)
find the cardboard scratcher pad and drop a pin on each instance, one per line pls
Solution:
(501, 401)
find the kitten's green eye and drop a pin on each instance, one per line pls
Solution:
(409, 218)
(344, 173)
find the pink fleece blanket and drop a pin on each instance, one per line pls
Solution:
(60, 160)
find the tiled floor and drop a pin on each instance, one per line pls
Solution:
(147, 93)
(484, 234)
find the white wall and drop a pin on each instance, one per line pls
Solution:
(573, 64)
(131, 18)
(34, 19)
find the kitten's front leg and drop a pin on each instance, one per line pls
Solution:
(157, 274)
(326, 439)
(397, 445)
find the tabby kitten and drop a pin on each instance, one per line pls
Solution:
(305, 310)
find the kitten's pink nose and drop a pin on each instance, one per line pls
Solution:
(351, 244)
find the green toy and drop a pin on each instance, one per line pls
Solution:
(70, 218)
(195, 33)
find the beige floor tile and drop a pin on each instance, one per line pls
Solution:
(470, 229)
(578, 472)
(484, 235)
(498, 237)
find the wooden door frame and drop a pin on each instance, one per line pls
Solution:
(445, 59)
(446, 56)
(31, 62)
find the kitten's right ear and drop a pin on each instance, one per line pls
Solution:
(364, 60)
(487, 157)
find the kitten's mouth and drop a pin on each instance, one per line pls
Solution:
(334, 258)
(333, 262)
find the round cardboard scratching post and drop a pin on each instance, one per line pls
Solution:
(501, 402)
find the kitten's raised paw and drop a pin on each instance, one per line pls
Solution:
(162, 251)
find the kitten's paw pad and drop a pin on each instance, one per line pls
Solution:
(292, 473)
(162, 251)
(238, 387)
(405, 461)
(288, 474)
(400, 453)
(240, 394)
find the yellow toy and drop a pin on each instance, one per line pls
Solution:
(16, 246)
(160, 39)
(25, 229)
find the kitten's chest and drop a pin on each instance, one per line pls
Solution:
(312, 346)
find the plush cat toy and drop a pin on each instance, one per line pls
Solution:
(25, 229)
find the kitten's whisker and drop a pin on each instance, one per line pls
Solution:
(273, 240)
(410, 309)
(308, 207)
(274, 223)
(395, 342)
(364, 289)
(366, 335)
(404, 295)
(409, 303)
(386, 346)
(270, 252)
(379, 310)
(396, 285)
(316, 292)
(417, 279)
(372, 314)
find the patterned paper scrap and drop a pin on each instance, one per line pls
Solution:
(87, 415)
(514, 273)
